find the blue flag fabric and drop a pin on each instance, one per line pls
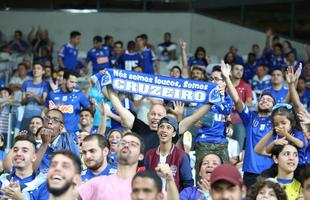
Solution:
(158, 86)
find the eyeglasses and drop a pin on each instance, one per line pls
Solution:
(282, 105)
(215, 79)
(130, 144)
(54, 119)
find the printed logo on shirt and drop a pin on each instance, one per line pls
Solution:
(102, 60)
(64, 98)
(62, 108)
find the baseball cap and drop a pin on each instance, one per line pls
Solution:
(170, 120)
(226, 172)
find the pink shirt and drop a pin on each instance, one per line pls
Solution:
(106, 188)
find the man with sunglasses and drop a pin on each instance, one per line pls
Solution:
(117, 186)
(54, 139)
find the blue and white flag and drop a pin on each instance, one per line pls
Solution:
(158, 86)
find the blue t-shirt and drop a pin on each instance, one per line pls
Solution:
(32, 187)
(2, 83)
(88, 174)
(129, 60)
(99, 59)
(37, 89)
(148, 57)
(214, 123)
(69, 55)
(193, 61)
(70, 103)
(278, 95)
(256, 128)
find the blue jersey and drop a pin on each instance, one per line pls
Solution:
(63, 141)
(88, 174)
(249, 71)
(278, 95)
(193, 61)
(69, 55)
(70, 103)
(148, 57)
(256, 128)
(32, 187)
(129, 60)
(99, 59)
(275, 62)
(307, 152)
(214, 123)
(37, 89)
(112, 158)
(108, 49)
(259, 85)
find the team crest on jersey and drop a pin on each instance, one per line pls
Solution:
(64, 98)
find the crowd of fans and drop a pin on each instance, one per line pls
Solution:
(77, 142)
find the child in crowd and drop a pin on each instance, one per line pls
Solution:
(266, 189)
(286, 129)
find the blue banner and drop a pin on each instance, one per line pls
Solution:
(158, 86)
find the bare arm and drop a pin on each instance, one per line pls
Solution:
(189, 121)
(126, 116)
(102, 125)
(185, 67)
(232, 90)
(260, 147)
(164, 171)
(157, 66)
(268, 38)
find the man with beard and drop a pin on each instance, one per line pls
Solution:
(23, 182)
(147, 132)
(117, 186)
(68, 100)
(63, 177)
(257, 125)
(53, 139)
(94, 152)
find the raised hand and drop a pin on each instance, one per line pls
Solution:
(182, 44)
(224, 69)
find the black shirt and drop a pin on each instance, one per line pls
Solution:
(150, 138)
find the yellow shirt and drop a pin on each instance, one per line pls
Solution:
(293, 189)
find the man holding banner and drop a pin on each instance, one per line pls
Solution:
(155, 86)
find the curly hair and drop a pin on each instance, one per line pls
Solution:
(260, 183)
